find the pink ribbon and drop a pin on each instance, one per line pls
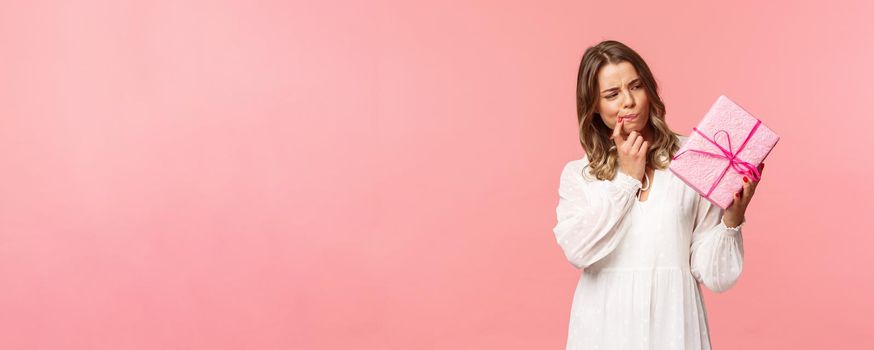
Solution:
(728, 154)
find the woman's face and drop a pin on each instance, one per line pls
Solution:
(621, 93)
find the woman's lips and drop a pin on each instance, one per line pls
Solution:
(629, 117)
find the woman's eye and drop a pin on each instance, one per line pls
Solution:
(611, 96)
(636, 86)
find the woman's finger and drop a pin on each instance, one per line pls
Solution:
(747, 191)
(629, 141)
(737, 195)
(617, 134)
(635, 147)
(735, 202)
(748, 183)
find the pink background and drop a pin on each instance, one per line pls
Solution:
(383, 175)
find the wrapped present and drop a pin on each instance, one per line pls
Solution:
(728, 144)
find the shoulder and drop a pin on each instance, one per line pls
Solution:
(576, 164)
(573, 170)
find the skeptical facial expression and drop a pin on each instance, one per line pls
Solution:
(621, 94)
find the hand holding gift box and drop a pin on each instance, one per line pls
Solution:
(727, 145)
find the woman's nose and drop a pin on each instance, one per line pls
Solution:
(629, 99)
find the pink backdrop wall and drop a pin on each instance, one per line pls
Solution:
(383, 175)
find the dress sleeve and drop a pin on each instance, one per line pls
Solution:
(590, 214)
(717, 250)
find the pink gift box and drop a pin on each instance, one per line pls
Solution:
(728, 144)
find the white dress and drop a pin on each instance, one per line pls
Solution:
(642, 261)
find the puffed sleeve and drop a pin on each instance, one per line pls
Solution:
(717, 250)
(590, 213)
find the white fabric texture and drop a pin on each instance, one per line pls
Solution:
(642, 262)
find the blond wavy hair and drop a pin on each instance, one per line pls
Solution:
(595, 135)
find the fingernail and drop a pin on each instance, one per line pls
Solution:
(737, 194)
(745, 179)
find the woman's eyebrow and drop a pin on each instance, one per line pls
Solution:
(616, 88)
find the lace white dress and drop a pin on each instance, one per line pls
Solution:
(642, 261)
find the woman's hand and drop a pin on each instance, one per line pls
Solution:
(734, 214)
(632, 151)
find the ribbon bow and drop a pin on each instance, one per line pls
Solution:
(740, 166)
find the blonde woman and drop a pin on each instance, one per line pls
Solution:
(644, 238)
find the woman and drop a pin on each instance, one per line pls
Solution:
(644, 237)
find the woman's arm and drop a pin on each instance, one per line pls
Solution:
(717, 249)
(590, 214)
